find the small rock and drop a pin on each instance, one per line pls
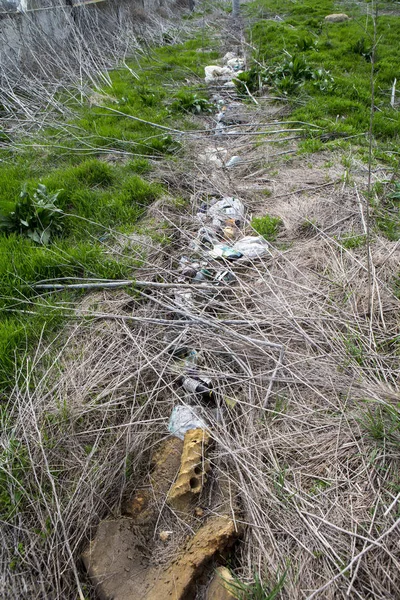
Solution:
(219, 588)
(165, 535)
(337, 18)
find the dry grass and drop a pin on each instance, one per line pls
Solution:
(295, 440)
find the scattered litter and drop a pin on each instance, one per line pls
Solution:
(184, 418)
(202, 275)
(252, 246)
(215, 156)
(229, 233)
(201, 385)
(225, 276)
(237, 64)
(183, 298)
(228, 56)
(219, 128)
(226, 252)
(207, 237)
(216, 74)
(233, 162)
(228, 207)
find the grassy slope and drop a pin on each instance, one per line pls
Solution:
(341, 48)
(344, 50)
(107, 196)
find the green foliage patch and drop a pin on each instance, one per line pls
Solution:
(74, 195)
(342, 51)
(267, 226)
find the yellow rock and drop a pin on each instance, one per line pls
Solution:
(193, 470)
(219, 588)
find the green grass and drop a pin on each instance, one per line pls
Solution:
(343, 49)
(267, 226)
(96, 195)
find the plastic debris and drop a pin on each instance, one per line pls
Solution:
(236, 63)
(228, 56)
(226, 252)
(252, 246)
(165, 535)
(225, 276)
(227, 208)
(182, 419)
(207, 237)
(233, 162)
(215, 74)
(183, 298)
(214, 156)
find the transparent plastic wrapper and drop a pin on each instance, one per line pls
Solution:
(232, 162)
(252, 246)
(184, 418)
(227, 208)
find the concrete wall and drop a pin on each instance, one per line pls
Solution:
(24, 22)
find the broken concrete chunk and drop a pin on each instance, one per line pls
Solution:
(193, 470)
(337, 18)
(166, 461)
(219, 588)
(113, 556)
(178, 580)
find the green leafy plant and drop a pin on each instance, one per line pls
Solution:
(307, 42)
(249, 81)
(267, 226)
(35, 216)
(191, 102)
(323, 80)
(363, 48)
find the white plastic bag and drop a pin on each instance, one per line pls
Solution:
(214, 73)
(227, 208)
(252, 246)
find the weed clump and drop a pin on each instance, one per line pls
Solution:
(35, 216)
(267, 226)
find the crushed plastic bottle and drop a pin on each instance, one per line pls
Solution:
(233, 162)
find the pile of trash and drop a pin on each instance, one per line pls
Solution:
(115, 560)
(233, 65)
(218, 246)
